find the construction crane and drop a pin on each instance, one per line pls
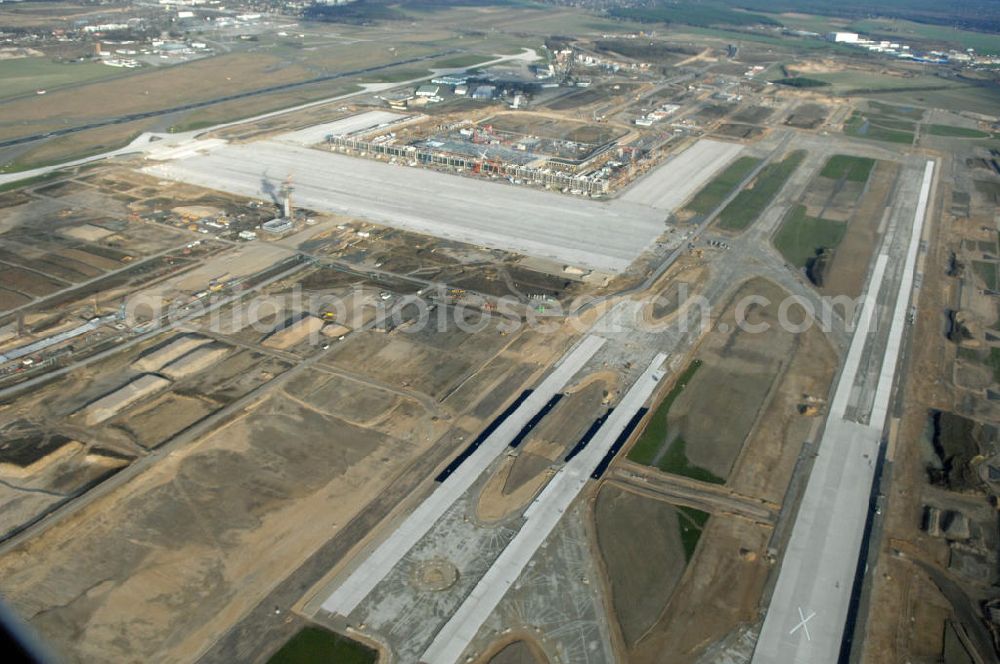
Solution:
(477, 167)
(483, 134)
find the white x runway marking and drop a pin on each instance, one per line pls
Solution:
(803, 619)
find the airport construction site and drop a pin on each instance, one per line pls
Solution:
(439, 381)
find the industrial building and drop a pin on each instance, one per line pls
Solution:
(450, 79)
(277, 226)
(484, 92)
(843, 37)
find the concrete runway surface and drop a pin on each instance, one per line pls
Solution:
(387, 555)
(541, 518)
(669, 186)
(342, 127)
(601, 235)
(806, 618)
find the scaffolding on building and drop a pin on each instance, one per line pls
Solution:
(591, 184)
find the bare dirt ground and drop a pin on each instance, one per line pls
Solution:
(674, 613)
(824, 66)
(918, 611)
(522, 474)
(739, 369)
(209, 529)
(162, 565)
(500, 498)
(683, 283)
(515, 650)
(766, 461)
(434, 367)
(551, 126)
(718, 593)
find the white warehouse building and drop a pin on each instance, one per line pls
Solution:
(845, 37)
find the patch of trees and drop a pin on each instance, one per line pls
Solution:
(801, 82)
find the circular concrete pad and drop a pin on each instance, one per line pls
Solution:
(435, 575)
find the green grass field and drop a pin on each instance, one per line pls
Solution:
(874, 128)
(654, 435)
(750, 202)
(650, 443)
(692, 523)
(954, 132)
(927, 90)
(313, 645)
(792, 44)
(800, 236)
(695, 14)
(855, 82)
(395, 75)
(467, 60)
(855, 169)
(912, 112)
(994, 362)
(983, 98)
(675, 461)
(37, 179)
(800, 82)
(244, 108)
(25, 75)
(987, 272)
(712, 194)
(893, 123)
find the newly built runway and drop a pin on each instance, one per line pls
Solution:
(809, 607)
(375, 567)
(541, 518)
(602, 235)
